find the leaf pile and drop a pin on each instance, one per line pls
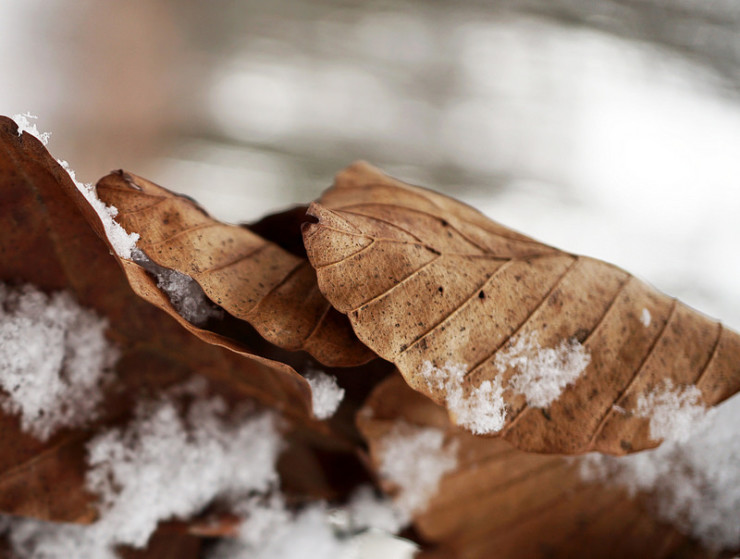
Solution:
(381, 270)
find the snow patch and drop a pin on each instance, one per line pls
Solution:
(188, 298)
(541, 373)
(326, 394)
(177, 455)
(121, 241)
(481, 410)
(674, 412)
(646, 318)
(695, 482)
(25, 125)
(171, 463)
(415, 459)
(366, 509)
(34, 539)
(271, 531)
(54, 359)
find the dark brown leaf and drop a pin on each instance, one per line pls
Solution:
(45, 241)
(251, 278)
(424, 278)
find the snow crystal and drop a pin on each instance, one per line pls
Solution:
(326, 395)
(25, 125)
(415, 459)
(542, 373)
(54, 359)
(166, 464)
(645, 318)
(481, 409)
(121, 241)
(695, 482)
(188, 298)
(674, 412)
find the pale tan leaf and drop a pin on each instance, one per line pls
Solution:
(430, 282)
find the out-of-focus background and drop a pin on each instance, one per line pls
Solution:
(606, 127)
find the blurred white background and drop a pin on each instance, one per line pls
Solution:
(607, 127)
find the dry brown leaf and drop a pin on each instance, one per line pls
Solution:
(45, 240)
(249, 277)
(423, 278)
(504, 503)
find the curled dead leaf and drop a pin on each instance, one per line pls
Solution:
(502, 502)
(462, 304)
(251, 278)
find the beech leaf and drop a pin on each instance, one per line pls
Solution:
(505, 503)
(249, 277)
(551, 350)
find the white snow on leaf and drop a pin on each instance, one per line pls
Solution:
(481, 409)
(171, 462)
(674, 412)
(415, 459)
(695, 483)
(645, 317)
(356, 531)
(308, 533)
(123, 243)
(365, 509)
(34, 539)
(54, 359)
(185, 294)
(326, 394)
(541, 373)
(25, 125)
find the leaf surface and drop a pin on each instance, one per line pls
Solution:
(428, 281)
(251, 278)
(45, 240)
(505, 503)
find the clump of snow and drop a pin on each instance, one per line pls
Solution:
(415, 459)
(674, 412)
(25, 125)
(308, 533)
(34, 539)
(188, 298)
(54, 359)
(481, 410)
(326, 394)
(177, 455)
(168, 464)
(542, 373)
(695, 483)
(357, 531)
(367, 510)
(645, 317)
(121, 241)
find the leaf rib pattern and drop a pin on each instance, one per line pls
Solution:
(428, 311)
